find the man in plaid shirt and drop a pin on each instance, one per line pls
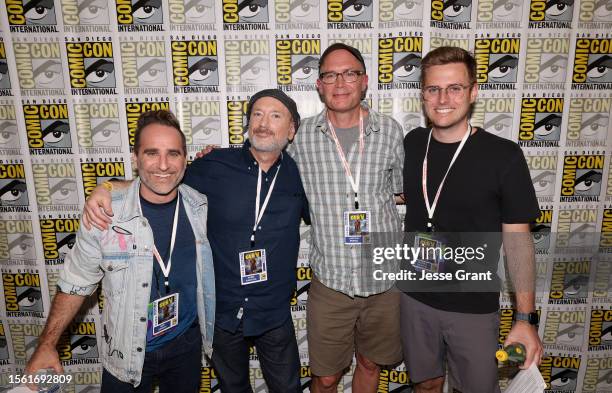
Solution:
(350, 159)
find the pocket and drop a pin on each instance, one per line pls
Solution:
(115, 276)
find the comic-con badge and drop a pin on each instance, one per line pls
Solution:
(165, 314)
(430, 257)
(357, 227)
(253, 266)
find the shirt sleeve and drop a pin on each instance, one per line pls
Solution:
(519, 201)
(398, 159)
(196, 175)
(82, 272)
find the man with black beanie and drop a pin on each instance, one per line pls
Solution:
(256, 202)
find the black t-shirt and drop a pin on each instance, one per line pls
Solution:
(489, 184)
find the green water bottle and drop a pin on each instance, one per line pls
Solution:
(512, 353)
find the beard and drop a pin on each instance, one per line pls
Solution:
(268, 145)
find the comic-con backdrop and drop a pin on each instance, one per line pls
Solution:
(76, 74)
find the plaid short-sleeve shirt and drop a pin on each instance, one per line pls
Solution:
(336, 265)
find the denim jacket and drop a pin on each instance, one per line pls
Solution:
(122, 258)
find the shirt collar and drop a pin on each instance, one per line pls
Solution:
(373, 126)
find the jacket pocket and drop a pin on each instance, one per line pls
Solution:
(115, 276)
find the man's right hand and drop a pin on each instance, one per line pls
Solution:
(97, 211)
(44, 357)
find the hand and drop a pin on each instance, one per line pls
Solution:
(97, 211)
(45, 356)
(206, 150)
(526, 334)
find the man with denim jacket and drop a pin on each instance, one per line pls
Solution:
(155, 264)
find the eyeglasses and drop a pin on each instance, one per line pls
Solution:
(454, 91)
(348, 76)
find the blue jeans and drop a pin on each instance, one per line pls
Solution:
(177, 365)
(278, 356)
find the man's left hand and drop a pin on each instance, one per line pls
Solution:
(526, 334)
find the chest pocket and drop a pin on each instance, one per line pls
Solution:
(284, 210)
(115, 276)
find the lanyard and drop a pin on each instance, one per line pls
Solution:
(353, 180)
(165, 268)
(432, 208)
(259, 214)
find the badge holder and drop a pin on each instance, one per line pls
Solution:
(253, 266)
(431, 253)
(356, 227)
(165, 314)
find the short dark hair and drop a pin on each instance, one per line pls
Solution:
(447, 55)
(163, 117)
(340, 46)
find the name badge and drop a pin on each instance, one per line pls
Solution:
(165, 314)
(430, 257)
(253, 266)
(356, 227)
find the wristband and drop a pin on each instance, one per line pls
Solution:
(108, 185)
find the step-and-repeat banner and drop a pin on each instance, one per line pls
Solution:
(76, 74)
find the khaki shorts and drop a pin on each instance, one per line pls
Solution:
(339, 326)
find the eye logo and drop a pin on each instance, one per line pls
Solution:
(457, 10)
(253, 11)
(507, 10)
(195, 66)
(502, 68)
(582, 178)
(599, 69)
(357, 10)
(91, 66)
(31, 12)
(139, 15)
(13, 193)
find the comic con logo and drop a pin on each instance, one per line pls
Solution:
(592, 64)
(500, 11)
(564, 330)
(605, 241)
(349, 14)
(569, 283)
(22, 295)
(201, 123)
(297, 63)
(143, 65)
(589, 120)
(451, 13)
(576, 228)
(497, 62)
(399, 62)
(9, 136)
(546, 62)
(79, 343)
(237, 121)
(24, 337)
(540, 124)
(245, 14)
(303, 276)
(208, 380)
(195, 66)
(94, 173)
(296, 14)
(97, 125)
(84, 12)
(582, 175)
(594, 14)
(58, 238)
(540, 231)
(494, 114)
(560, 373)
(31, 16)
(4, 352)
(13, 188)
(47, 128)
(39, 66)
(133, 110)
(407, 110)
(5, 80)
(247, 63)
(598, 375)
(197, 13)
(56, 186)
(551, 14)
(600, 331)
(17, 240)
(140, 15)
(391, 380)
(91, 67)
(396, 13)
